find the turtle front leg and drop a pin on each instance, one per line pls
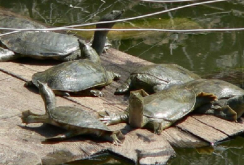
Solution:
(159, 126)
(96, 93)
(65, 136)
(124, 88)
(115, 118)
(218, 110)
(76, 55)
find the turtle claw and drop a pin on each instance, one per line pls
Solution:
(107, 46)
(105, 117)
(117, 142)
(28, 83)
(97, 93)
(106, 120)
(116, 136)
(103, 113)
(66, 94)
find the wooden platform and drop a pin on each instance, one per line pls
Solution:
(23, 144)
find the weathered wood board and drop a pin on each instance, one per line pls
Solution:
(18, 142)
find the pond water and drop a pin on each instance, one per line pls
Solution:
(216, 53)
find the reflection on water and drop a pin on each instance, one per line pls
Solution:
(227, 153)
(103, 158)
(203, 53)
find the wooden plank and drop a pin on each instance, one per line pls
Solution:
(142, 145)
(227, 127)
(15, 98)
(182, 139)
(201, 130)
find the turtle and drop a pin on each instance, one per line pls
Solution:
(52, 45)
(78, 76)
(159, 110)
(12, 20)
(156, 77)
(230, 103)
(77, 121)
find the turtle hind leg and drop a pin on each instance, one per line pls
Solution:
(61, 93)
(116, 137)
(61, 137)
(66, 135)
(224, 112)
(7, 55)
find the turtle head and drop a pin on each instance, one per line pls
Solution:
(47, 95)
(113, 15)
(99, 39)
(136, 104)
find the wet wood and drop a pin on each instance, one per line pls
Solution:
(227, 127)
(27, 140)
(201, 130)
(141, 146)
(179, 138)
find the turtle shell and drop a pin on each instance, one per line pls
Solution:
(12, 21)
(220, 88)
(158, 74)
(73, 76)
(159, 105)
(71, 117)
(41, 44)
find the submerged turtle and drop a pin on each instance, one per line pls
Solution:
(76, 76)
(76, 121)
(156, 77)
(44, 45)
(160, 110)
(230, 103)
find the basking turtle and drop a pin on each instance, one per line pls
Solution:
(12, 20)
(160, 110)
(230, 103)
(156, 77)
(76, 121)
(51, 45)
(168, 104)
(76, 76)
